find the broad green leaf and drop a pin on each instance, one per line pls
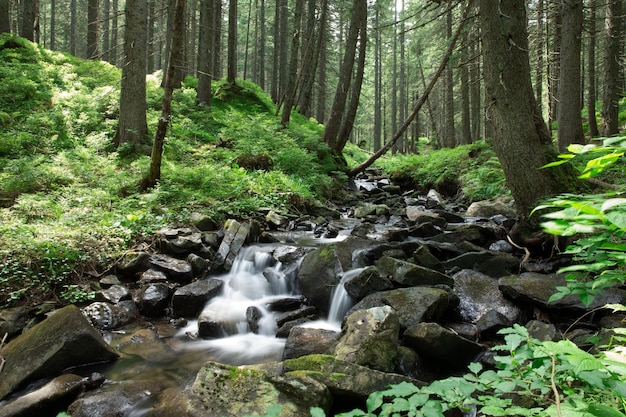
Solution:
(492, 410)
(615, 307)
(599, 410)
(317, 412)
(401, 404)
(505, 386)
(555, 163)
(475, 367)
(374, 401)
(618, 218)
(610, 203)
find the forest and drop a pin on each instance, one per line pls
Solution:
(119, 119)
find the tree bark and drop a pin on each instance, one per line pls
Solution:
(133, 127)
(377, 82)
(521, 139)
(204, 53)
(176, 47)
(592, 95)
(540, 53)
(113, 53)
(449, 138)
(570, 129)
(93, 16)
(611, 75)
(320, 111)
(28, 20)
(423, 98)
(466, 127)
(274, 89)
(291, 92)
(73, 43)
(262, 45)
(232, 42)
(5, 22)
(106, 24)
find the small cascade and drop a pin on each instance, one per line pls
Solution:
(340, 301)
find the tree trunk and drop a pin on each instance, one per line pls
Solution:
(92, 29)
(106, 24)
(345, 77)
(553, 66)
(418, 105)
(53, 24)
(152, 38)
(283, 48)
(216, 59)
(247, 43)
(5, 21)
(475, 83)
(540, 53)
(377, 81)
(449, 139)
(466, 127)
(394, 79)
(113, 53)
(73, 22)
(176, 49)
(262, 45)
(320, 111)
(204, 53)
(232, 42)
(290, 92)
(312, 57)
(592, 95)
(570, 121)
(611, 75)
(133, 127)
(521, 139)
(276, 56)
(28, 20)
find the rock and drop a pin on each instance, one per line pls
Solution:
(473, 233)
(364, 282)
(413, 305)
(109, 280)
(478, 294)
(276, 220)
(436, 342)
(304, 341)
(284, 304)
(133, 263)
(491, 322)
(226, 391)
(115, 400)
(317, 209)
(234, 238)
(182, 244)
(370, 338)
(152, 276)
(50, 399)
(145, 344)
(345, 380)
(288, 254)
(494, 264)
(488, 208)
(423, 257)
(306, 311)
(319, 274)
(363, 229)
(537, 288)
(107, 316)
(199, 264)
(253, 316)
(175, 269)
(154, 299)
(409, 363)
(284, 330)
(542, 331)
(218, 318)
(408, 274)
(63, 340)
(448, 216)
(189, 300)
(396, 234)
(202, 222)
(434, 200)
(116, 293)
(371, 210)
(425, 230)
(13, 321)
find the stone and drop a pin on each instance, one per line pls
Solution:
(494, 264)
(345, 380)
(202, 222)
(370, 338)
(408, 274)
(306, 311)
(182, 244)
(396, 234)
(478, 294)
(318, 275)
(288, 254)
(116, 293)
(424, 257)
(54, 397)
(501, 246)
(436, 342)
(154, 299)
(109, 280)
(199, 265)
(226, 391)
(473, 233)
(304, 341)
(366, 281)
(189, 300)
(434, 200)
(491, 322)
(489, 208)
(366, 210)
(413, 305)
(13, 321)
(65, 339)
(542, 331)
(425, 230)
(234, 238)
(175, 269)
(145, 344)
(152, 276)
(276, 220)
(107, 316)
(133, 263)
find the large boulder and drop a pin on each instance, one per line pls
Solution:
(304, 341)
(63, 340)
(108, 316)
(227, 391)
(12, 321)
(489, 208)
(343, 379)
(364, 282)
(413, 305)
(370, 338)
(319, 273)
(189, 300)
(175, 269)
(407, 274)
(492, 263)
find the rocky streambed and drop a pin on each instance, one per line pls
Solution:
(316, 310)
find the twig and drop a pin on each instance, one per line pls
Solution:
(2, 361)
(557, 397)
(526, 257)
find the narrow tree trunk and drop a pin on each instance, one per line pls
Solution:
(611, 75)
(284, 48)
(114, 30)
(152, 41)
(28, 20)
(5, 21)
(216, 59)
(449, 139)
(106, 24)
(394, 78)
(466, 128)
(93, 15)
(377, 82)
(592, 95)
(475, 83)
(276, 56)
(320, 111)
(176, 48)
(247, 48)
(262, 45)
(232, 42)
(418, 105)
(204, 53)
(540, 53)
(553, 65)
(53, 24)
(312, 57)
(290, 92)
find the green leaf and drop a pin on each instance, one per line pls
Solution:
(505, 386)
(618, 218)
(374, 401)
(317, 412)
(555, 163)
(599, 410)
(610, 203)
(492, 410)
(475, 367)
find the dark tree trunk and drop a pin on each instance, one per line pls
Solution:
(53, 24)
(113, 52)
(449, 139)
(176, 49)
(283, 48)
(5, 21)
(262, 45)
(28, 20)
(466, 127)
(309, 68)
(232, 42)
(204, 53)
(540, 54)
(592, 95)
(320, 111)
(291, 91)
(275, 88)
(73, 22)
(475, 83)
(570, 121)
(377, 82)
(93, 16)
(554, 55)
(106, 24)
(133, 127)
(521, 139)
(611, 75)
(152, 41)
(216, 59)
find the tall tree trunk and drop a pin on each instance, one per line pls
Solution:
(592, 95)
(449, 139)
(521, 139)
(216, 59)
(247, 43)
(283, 48)
(394, 78)
(475, 83)
(419, 103)
(28, 20)
(204, 52)
(5, 21)
(554, 57)
(345, 77)
(570, 128)
(275, 88)
(402, 97)
(262, 45)
(152, 41)
(309, 66)
(320, 111)
(114, 31)
(232, 42)
(176, 49)
(466, 127)
(93, 16)
(540, 54)
(73, 23)
(133, 127)
(53, 25)
(611, 76)
(290, 92)
(377, 81)
(106, 24)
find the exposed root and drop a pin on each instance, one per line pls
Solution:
(526, 251)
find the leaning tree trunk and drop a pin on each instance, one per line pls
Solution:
(521, 139)
(176, 49)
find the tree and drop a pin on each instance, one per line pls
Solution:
(611, 73)
(291, 91)
(449, 136)
(171, 82)
(132, 127)
(92, 29)
(232, 42)
(205, 40)
(106, 29)
(570, 127)
(591, 72)
(5, 22)
(28, 20)
(521, 140)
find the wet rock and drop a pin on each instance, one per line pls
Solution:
(116, 293)
(363, 229)
(409, 363)
(216, 320)
(154, 299)
(182, 244)
(367, 281)
(146, 344)
(435, 200)
(371, 210)
(306, 311)
(425, 230)
(152, 276)
(284, 330)
(226, 391)
(424, 257)
(347, 252)
(418, 216)
(133, 263)
(108, 316)
(285, 304)
(50, 399)
(288, 254)
(488, 208)
(63, 340)
(343, 379)
(114, 400)
(189, 300)
(199, 265)
(473, 233)
(175, 269)
(370, 338)
(491, 322)
(478, 294)
(494, 264)
(501, 246)
(109, 280)
(304, 341)
(12, 321)
(317, 209)
(234, 238)
(253, 316)
(542, 331)
(396, 234)
(319, 274)
(203, 222)
(449, 216)
(538, 288)
(276, 220)
(434, 341)
(413, 305)
(408, 274)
